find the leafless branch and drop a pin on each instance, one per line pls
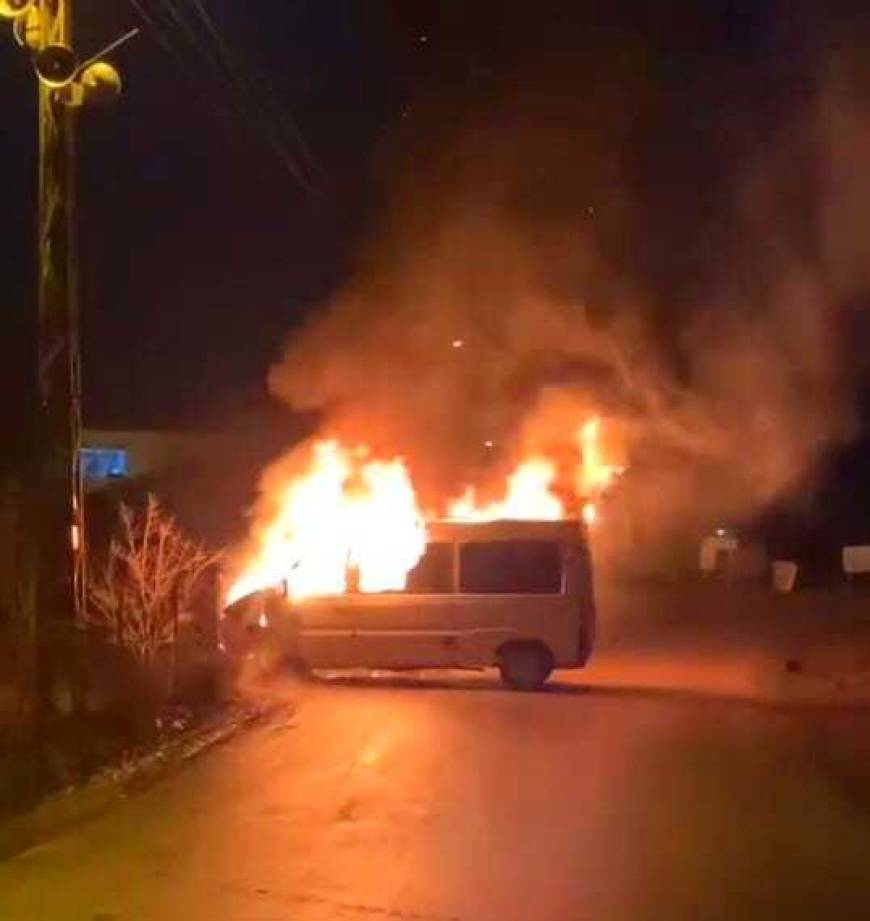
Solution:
(147, 581)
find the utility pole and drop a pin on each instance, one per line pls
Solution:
(61, 583)
(45, 29)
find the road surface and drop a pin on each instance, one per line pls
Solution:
(409, 800)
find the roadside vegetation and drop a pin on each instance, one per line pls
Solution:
(142, 668)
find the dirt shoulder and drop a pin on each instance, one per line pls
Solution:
(134, 771)
(806, 648)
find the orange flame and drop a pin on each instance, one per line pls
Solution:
(349, 513)
(530, 487)
(529, 497)
(594, 474)
(342, 513)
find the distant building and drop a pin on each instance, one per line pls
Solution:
(207, 478)
(109, 456)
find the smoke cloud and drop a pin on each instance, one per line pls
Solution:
(588, 235)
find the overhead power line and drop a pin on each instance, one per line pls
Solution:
(270, 97)
(251, 96)
(234, 89)
(217, 103)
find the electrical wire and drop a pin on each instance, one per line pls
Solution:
(270, 97)
(292, 149)
(220, 110)
(236, 94)
(250, 98)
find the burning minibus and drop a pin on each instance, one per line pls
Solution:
(514, 594)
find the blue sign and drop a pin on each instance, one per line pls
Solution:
(104, 463)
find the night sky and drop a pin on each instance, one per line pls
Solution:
(201, 251)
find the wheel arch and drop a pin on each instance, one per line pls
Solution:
(520, 642)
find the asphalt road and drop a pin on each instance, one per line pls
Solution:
(409, 800)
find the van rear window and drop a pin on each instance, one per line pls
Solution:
(523, 567)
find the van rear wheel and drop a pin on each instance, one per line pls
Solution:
(525, 666)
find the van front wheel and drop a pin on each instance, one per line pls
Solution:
(525, 666)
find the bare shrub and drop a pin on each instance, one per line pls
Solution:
(147, 581)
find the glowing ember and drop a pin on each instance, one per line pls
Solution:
(342, 512)
(529, 497)
(589, 513)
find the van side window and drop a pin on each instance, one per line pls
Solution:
(532, 567)
(433, 574)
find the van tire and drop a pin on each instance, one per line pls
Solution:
(525, 666)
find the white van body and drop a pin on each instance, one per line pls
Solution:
(515, 594)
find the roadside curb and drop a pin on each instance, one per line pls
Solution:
(64, 811)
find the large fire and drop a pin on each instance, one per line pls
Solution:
(343, 513)
(349, 517)
(529, 496)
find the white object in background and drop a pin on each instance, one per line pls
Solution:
(716, 551)
(856, 559)
(784, 575)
